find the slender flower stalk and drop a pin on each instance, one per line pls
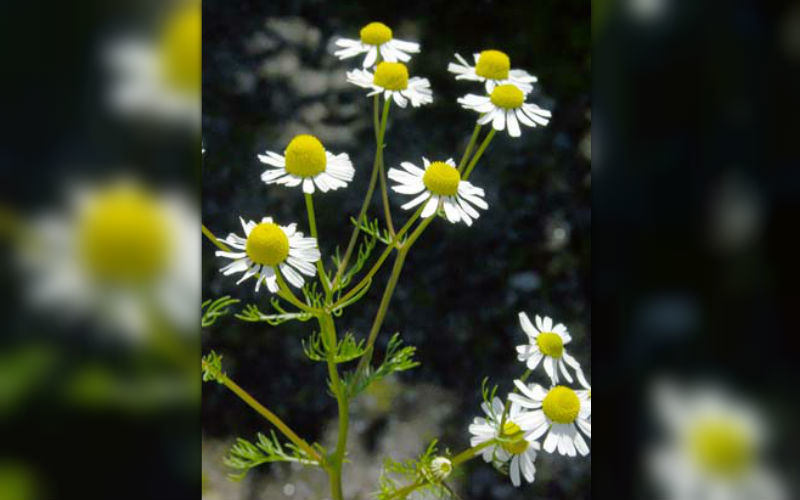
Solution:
(471, 145)
(312, 224)
(264, 412)
(479, 153)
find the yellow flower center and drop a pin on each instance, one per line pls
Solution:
(514, 445)
(181, 57)
(376, 34)
(305, 156)
(267, 244)
(561, 405)
(507, 97)
(550, 344)
(441, 178)
(391, 76)
(124, 237)
(493, 64)
(721, 447)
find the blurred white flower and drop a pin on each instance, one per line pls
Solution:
(514, 445)
(158, 77)
(376, 38)
(712, 448)
(120, 252)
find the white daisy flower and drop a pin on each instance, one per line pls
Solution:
(505, 107)
(267, 248)
(159, 79)
(559, 413)
(713, 447)
(494, 68)
(546, 342)
(391, 79)
(513, 440)
(120, 253)
(376, 38)
(440, 181)
(306, 162)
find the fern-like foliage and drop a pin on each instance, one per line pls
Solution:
(398, 358)
(372, 233)
(214, 309)
(245, 455)
(347, 349)
(253, 314)
(397, 475)
(211, 366)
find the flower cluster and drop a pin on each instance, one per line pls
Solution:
(279, 256)
(508, 434)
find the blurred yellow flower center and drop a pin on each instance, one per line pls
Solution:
(493, 64)
(550, 344)
(267, 244)
(514, 445)
(305, 156)
(441, 178)
(721, 447)
(376, 34)
(561, 405)
(124, 236)
(391, 76)
(181, 57)
(507, 96)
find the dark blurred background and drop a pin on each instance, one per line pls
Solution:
(268, 74)
(695, 209)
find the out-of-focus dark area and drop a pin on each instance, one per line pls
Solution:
(695, 210)
(268, 74)
(99, 250)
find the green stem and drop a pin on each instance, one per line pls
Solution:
(379, 263)
(273, 419)
(381, 130)
(507, 407)
(286, 293)
(388, 292)
(312, 223)
(387, 211)
(208, 234)
(469, 147)
(335, 471)
(478, 154)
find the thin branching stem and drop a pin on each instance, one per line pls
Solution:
(312, 224)
(264, 412)
(469, 147)
(213, 239)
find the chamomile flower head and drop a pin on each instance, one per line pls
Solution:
(494, 68)
(392, 80)
(505, 106)
(440, 181)
(558, 413)
(267, 249)
(158, 77)
(376, 38)
(305, 161)
(514, 448)
(546, 345)
(712, 448)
